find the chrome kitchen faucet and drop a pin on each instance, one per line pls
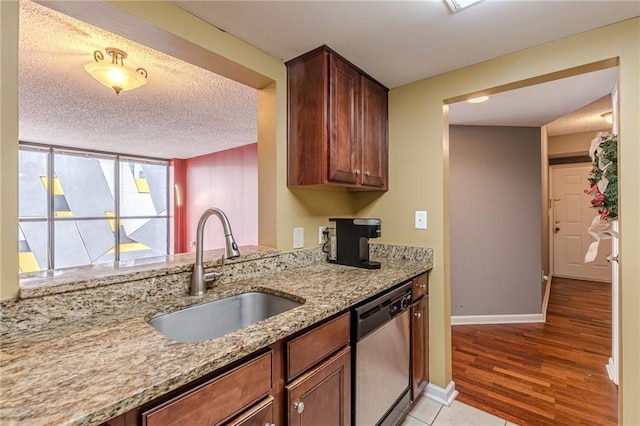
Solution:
(199, 278)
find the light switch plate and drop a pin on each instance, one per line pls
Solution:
(298, 238)
(421, 219)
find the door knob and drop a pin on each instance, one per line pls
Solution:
(299, 407)
(556, 230)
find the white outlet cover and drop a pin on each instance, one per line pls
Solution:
(321, 239)
(298, 238)
(421, 219)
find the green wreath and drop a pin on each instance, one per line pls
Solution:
(603, 178)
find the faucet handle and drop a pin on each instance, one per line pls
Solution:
(212, 276)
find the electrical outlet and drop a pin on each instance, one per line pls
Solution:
(298, 238)
(323, 234)
(421, 219)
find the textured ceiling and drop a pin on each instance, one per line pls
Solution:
(585, 119)
(183, 111)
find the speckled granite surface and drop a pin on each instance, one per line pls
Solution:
(70, 368)
(43, 283)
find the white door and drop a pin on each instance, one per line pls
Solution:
(572, 216)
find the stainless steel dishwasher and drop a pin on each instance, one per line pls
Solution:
(380, 330)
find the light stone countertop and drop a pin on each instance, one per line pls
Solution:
(88, 368)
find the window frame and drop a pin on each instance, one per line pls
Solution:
(51, 219)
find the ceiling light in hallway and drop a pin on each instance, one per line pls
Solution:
(478, 100)
(608, 116)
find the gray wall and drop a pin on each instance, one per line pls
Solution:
(496, 230)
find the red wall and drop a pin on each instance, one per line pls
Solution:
(227, 180)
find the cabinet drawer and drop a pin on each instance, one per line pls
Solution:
(420, 286)
(260, 415)
(217, 400)
(312, 347)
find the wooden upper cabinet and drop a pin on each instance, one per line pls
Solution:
(343, 112)
(337, 117)
(373, 107)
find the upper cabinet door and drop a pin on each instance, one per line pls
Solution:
(343, 110)
(374, 134)
(337, 119)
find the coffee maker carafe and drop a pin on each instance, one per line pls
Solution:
(352, 241)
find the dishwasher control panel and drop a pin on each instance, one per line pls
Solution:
(372, 314)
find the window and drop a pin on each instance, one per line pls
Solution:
(80, 208)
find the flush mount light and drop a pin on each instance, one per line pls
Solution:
(115, 75)
(457, 5)
(608, 116)
(478, 100)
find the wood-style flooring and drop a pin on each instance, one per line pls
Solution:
(543, 374)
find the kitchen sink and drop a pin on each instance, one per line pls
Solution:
(222, 316)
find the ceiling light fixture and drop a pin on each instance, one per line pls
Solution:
(478, 100)
(457, 5)
(608, 116)
(115, 75)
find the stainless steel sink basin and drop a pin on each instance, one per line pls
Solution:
(222, 316)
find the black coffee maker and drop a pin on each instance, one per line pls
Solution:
(351, 244)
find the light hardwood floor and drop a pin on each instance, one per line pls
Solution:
(543, 374)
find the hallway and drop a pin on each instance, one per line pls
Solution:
(543, 374)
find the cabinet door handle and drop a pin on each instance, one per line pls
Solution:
(269, 424)
(366, 173)
(417, 315)
(356, 172)
(299, 407)
(423, 286)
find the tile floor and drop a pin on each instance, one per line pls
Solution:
(428, 412)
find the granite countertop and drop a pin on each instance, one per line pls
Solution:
(88, 369)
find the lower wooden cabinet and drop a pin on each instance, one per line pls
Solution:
(322, 396)
(302, 380)
(419, 346)
(218, 400)
(261, 415)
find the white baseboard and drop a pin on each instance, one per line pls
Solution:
(612, 370)
(443, 396)
(496, 319)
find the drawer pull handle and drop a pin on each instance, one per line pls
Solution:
(299, 407)
(423, 286)
(269, 424)
(418, 315)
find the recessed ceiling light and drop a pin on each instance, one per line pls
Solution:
(608, 117)
(457, 5)
(478, 100)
